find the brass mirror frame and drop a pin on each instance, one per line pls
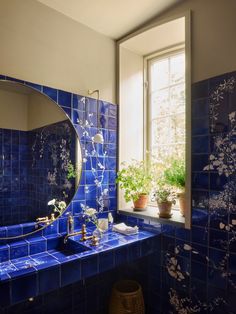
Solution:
(16, 82)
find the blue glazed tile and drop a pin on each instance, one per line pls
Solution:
(200, 145)
(216, 256)
(70, 272)
(199, 253)
(63, 224)
(199, 235)
(52, 242)
(134, 251)
(91, 105)
(89, 266)
(78, 102)
(216, 279)
(37, 246)
(112, 123)
(24, 288)
(200, 199)
(217, 182)
(148, 246)
(199, 162)
(35, 86)
(103, 122)
(2, 77)
(77, 116)
(200, 180)
(200, 126)
(51, 229)
(103, 108)
(183, 234)
(112, 110)
(64, 99)
(218, 239)
(4, 253)
(18, 249)
(168, 230)
(50, 92)
(200, 108)
(199, 217)
(112, 137)
(200, 90)
(13, 231)
(49, 279)
(199, 271)
(106, 261)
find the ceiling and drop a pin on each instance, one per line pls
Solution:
(113, 18)
(168, 34)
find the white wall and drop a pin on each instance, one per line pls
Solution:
(131, 109)
(213, 36)
(43, 46)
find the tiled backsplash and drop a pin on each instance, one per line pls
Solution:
(100, 159)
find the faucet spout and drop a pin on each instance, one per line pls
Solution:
(82, 232)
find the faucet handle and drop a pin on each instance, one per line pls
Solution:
(94, 241)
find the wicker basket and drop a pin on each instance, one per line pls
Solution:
(127, 298)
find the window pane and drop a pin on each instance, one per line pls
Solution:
(177, 68)
(167, 107)
(160, 103)
(177, 98)
(159, 74)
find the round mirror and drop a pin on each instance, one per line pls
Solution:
(40, 158)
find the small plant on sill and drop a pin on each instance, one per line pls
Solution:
(175, 175)
(135, 179)
(165, 196)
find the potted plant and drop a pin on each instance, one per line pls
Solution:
(174, 175)
(135, 180)
(164, 196)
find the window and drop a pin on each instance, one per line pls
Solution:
(166, 106)
(154, 97)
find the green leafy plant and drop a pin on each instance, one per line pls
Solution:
(163, 192)
(175, 174)
(71, 171)
(134, 179)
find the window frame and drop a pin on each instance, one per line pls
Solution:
(188, 75)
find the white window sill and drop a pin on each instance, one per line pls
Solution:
(151, 213)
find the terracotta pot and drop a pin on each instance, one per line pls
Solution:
(141, 203)
(164, 209)
(182, 203)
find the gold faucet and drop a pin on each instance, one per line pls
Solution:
(44, 220)
(83, 233)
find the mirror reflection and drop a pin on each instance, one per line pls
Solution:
(39, 149)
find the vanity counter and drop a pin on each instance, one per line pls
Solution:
(34, 274)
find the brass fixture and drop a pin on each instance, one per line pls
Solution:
(45, 220)
(95, 241)
(83, 233)
(70, 224)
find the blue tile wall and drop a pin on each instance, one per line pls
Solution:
(78, 108)
(195, 269)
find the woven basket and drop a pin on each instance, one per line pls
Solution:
(126, 298)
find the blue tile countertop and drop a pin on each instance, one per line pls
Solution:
(42, 264)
